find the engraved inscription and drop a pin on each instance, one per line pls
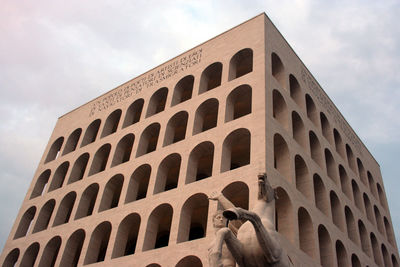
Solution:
(151, 79)
(331, 110)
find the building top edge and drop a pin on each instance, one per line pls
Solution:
(163, 63)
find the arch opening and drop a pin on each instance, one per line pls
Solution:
(168, 173)
(241, 63)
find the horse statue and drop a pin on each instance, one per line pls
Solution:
(255, 243)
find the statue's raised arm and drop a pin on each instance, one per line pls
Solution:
(225, 203)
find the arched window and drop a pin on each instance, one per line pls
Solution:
(355, 262)
(295, 91)
(299, 133)
(337, 211)
(88, 199)
(211, 77)
(111, 124)
(382, 198)
(238, 194)
(280, 111)
(123, 151)
(176, 128)
(371, 184)
(54, 150)
(338, 143)
(157, 102)
(344, 182)
(72, 141)
(306, 233)
(351, 225)
(238, 103)
(385, 255)
(361, 171)
(112, 193)
(59, 176)
(138, 184)
(25, 222)
(282, 157)
(168, 173)
(389, 231)
(312, 112)
(330, 166)
(183, 90)
(394, 261)
(148, 140)
(278, 70)
(284, 215)
(191, 261)
(357, 195)
(200, 163)
(341, 255)
(236, 150)
(30, 255)
(50, 252)
(98, 244)
(315, 149)
(125, 241)
(241, 63)
(193, 221)
(91, 133)
(78, 170)
(65, 209)
(368, 209)
(44, 216)
(378, 219)
(350, 158)
(73, 248)
(365, 244)
(133, 113)
(325, 246)
(376, 251)
(321, 197)
(11, 258)
(158, 227)
(41, 183)
(100, 159)
(326, 128)
(303, 181)
(206, 116)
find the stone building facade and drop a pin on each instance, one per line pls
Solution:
(125, 178)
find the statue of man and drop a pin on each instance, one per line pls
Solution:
(222, 256)
(257, 242)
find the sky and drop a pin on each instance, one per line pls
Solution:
(57, 55)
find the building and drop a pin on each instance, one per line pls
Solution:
(125, 178)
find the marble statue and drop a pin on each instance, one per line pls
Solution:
(256, 243)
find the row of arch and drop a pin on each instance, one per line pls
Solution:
(52, 249)
(308, 244)
(192, 225)
(238, 104)
(313, 187)
(342, 218)
(281, 114)
(240, 64)
(235, 154)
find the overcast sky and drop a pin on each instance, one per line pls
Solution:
(57, 55)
